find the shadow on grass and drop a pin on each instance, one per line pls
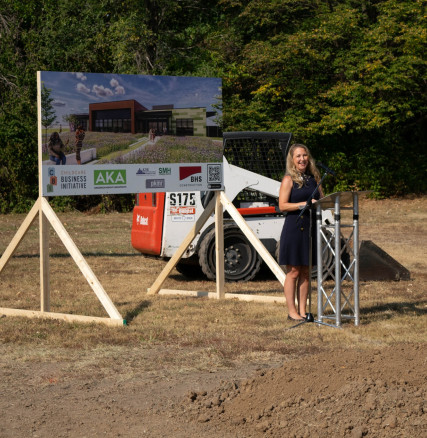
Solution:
(389, 310)
(132, 314)
(197, 277)
(192, 273)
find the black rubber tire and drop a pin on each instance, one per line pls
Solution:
(241, 261)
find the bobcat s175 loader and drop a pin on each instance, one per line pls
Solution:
(254, 165)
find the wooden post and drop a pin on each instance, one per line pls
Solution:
(44, 262)
(69, 317)
(256, 243)
(219, 247)
(80, 261)
(43, 223)
(154, 289)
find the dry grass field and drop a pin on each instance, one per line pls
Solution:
(184, 367)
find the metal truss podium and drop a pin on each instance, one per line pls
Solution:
(338, 304)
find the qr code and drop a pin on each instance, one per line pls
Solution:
(214, 173)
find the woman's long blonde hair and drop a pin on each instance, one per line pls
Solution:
(294, 173)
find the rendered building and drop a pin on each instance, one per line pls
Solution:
(131, 116)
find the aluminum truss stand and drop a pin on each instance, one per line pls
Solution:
(336, 304)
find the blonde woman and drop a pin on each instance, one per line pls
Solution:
(297, 186)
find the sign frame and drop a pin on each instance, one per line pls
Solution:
(122, 171)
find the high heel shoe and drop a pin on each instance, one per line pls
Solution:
(293, 319)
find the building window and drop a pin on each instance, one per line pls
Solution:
(184, 127)
(126, 125)
(112, 120)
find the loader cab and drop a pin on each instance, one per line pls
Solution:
(263, 153)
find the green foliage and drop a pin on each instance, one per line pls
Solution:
(62, 203)
(95, 204)
(346, 77)
(111, 203)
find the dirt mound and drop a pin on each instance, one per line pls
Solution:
(347, 393)
(338, 393)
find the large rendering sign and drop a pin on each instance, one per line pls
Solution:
(107, 133)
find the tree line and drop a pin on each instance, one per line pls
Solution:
(346, 77)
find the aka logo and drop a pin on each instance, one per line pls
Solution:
(191, 171)
(110, 177)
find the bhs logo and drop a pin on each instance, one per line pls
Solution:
(185, 172)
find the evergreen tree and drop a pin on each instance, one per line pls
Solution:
(48, 114)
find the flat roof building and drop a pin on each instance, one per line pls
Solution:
(131, 116)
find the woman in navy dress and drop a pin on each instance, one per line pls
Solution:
(299, 183)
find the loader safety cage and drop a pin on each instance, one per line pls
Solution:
(259, 152)
(263, 153)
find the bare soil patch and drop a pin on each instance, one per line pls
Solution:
(194, 367)
(375, 393)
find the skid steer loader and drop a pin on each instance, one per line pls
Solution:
(254, 165)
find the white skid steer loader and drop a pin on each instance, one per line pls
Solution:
(254, 165)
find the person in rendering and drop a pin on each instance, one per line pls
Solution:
(297, 186)
(80, 135)
(56, 149)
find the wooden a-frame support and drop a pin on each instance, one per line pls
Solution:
(219, 202)
(47, 216)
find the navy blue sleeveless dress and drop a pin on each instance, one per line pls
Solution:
(294, 240)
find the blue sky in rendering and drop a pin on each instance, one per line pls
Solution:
(73, 92)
